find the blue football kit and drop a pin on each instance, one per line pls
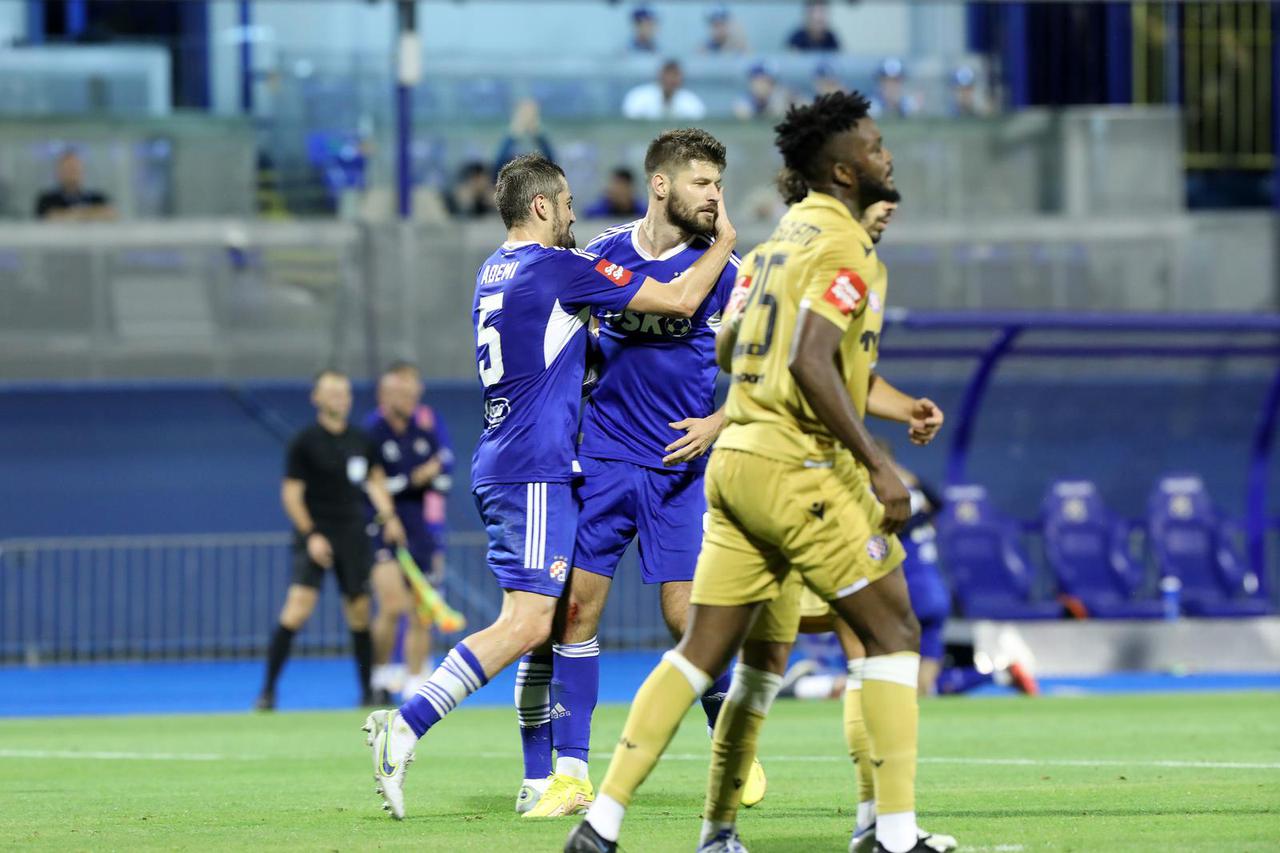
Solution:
(531, 310)
(656, 371)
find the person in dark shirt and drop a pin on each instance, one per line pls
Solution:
(816, 33)
(644, 30)
(413, 449)
(619, 198)
(472, 194)
(329, 468)
(70, 200)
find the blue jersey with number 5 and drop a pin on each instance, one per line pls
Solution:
(530, 315)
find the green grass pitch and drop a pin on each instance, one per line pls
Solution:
(1156, 772)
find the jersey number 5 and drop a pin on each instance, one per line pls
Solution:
(487, 336)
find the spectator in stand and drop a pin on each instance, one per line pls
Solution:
(966, 100)
(815, 34)
(619, 197)
(525, 136)
(69, 200)
(764, 98)
(644, 30)
(472, 196)
(665, 99)
(892, 99)
(826, 80)
(723, 36)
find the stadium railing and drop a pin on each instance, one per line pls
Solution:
(158, 597)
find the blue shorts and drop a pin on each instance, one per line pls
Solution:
(930, 599)
(422, 541)
(531, 528)
(622, 500)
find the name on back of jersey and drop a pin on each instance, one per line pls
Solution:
(647, 324)
(498, 272)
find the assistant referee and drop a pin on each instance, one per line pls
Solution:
(329, 468)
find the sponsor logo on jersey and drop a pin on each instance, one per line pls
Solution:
(616, 273)
(846, 291)
(390, 451)
(559, 569)
(648, 324)
(357, 469)
(496, 411)
(877, 547)
(420, 446)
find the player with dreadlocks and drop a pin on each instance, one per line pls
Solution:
(800, 339)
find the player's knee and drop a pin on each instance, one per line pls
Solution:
(580, 620)
(357, 613)
(529, 629)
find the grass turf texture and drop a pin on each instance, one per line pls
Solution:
(304, 780)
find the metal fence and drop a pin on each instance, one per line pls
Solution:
(218, 596)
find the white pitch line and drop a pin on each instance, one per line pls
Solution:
(839, 759)
(114, 756)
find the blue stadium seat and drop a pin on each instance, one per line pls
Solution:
(1086, 546)
(981, 553)
(1190, 542)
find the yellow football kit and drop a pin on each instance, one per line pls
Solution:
(782, 492)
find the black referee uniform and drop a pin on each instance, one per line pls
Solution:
(333, 468)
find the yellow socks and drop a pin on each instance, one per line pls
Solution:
(733, 746)
(656, 712)
(859, 744)
(889, 705)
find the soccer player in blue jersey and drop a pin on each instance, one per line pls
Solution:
(533, 300)
(418, 460)
(645, 430)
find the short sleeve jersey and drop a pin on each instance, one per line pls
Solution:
(818, 258)
(656, 370)
(333, 469)
(531, 308)
(400, 453)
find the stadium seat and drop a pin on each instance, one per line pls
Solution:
(1086, 546)
(981, 553)
(1190, 542)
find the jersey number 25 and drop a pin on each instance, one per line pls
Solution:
(487, 336)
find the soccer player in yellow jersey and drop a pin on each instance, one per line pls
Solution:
(803, 340)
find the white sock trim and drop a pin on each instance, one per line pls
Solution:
(697, 679)
(585, 649)
(857, 668)
(575, 767)
(899, 668)
(897, 831)
(605, 815)
(754, 688)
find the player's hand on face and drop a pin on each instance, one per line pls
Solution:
(319, 550)
(895, 498)
(700, 434)
(926, 420)
(724, 228)
(393, 532)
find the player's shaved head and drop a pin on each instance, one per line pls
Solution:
(675, 149)
(521, 181)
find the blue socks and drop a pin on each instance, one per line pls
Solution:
(533, 709)
(458, 676)
(575, 687)
(713, 699)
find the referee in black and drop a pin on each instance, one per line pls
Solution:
(330, 467)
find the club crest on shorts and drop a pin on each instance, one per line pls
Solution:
(559, 569)
(877, 547)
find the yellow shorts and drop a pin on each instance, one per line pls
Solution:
(767, 518)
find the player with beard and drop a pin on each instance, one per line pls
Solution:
(799, 339)
(533, 299)
(645, 431)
